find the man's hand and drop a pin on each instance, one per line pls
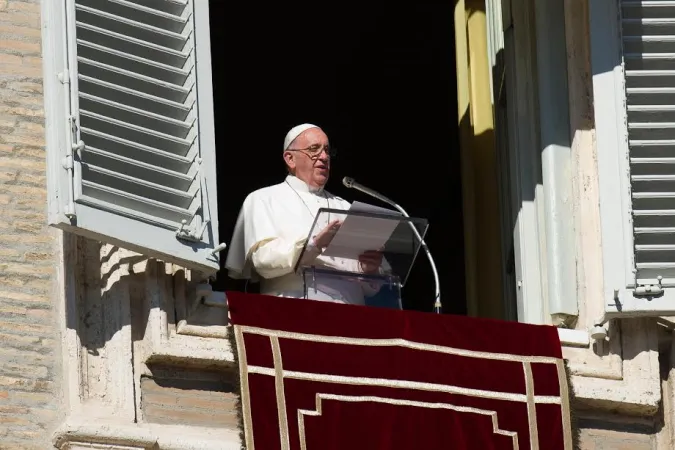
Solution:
(370, 261)
(326, 235)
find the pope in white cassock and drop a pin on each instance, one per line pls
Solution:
(274, 223)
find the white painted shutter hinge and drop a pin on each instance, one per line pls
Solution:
(67, 161)
(64, 77)
(648, 290)
(68, 164)
(195, 234)
(189, 234)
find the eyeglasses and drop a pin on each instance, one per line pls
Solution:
(314, 151)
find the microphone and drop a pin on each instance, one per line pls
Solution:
(351, 184)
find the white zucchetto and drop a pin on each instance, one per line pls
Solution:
(295, 132)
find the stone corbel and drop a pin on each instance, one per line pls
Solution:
(181, 327)
(207, 315)
(622, 374)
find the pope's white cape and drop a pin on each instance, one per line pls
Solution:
(271, 230)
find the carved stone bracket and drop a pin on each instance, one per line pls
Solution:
(122, 314)
(622, 374)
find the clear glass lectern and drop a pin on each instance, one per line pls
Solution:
(338, 271)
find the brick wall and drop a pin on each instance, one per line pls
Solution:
(604, 431)
(28, 334)
(190, 397)
(615, 440)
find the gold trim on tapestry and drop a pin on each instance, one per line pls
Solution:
(279, 390)
(245, 392)
(531, 407)
(279, 373)
(404, 384)
(398, 402)
(398, 343)
(565, 406)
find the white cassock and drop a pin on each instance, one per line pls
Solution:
(270, 233)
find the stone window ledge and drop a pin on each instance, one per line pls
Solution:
(79, 433)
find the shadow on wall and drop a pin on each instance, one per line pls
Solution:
(127, 311)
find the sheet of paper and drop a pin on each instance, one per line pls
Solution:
(368, 208)
(358, 234)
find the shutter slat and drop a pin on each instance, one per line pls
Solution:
(134, 99)
(654, 56)
(140, 13)
(133, 28)
(648, 3)
(651, 114)
(139, 187)
(652, 142)
(142, 135)
(655, 248)
(666, 177)
(655, 161)
(131, 45)
(664, 125)
(647, 237)
(657, 266)
(647, 21)
(134, 150)
(132, 167)
(652, 108)
(640, 94)
(659, 82)
(176, 7)
(145, 119)
(642, 39)
(133, 205)
(648, 33)
(137, 82)
(132, 63)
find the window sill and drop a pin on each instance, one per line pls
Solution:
(81, 432)
(574, 338)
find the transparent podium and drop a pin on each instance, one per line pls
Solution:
(367, 260)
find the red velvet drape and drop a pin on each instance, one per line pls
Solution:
(326, 376)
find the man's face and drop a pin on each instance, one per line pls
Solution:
(308, 157)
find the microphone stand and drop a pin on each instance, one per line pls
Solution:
(350, 183)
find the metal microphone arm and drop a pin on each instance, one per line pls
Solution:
(350, 183)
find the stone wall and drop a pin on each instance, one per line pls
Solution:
(29, 336)
(607, 431)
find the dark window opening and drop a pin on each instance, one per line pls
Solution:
(380, 80)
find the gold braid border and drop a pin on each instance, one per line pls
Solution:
(232, 337)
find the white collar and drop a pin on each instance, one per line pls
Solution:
(300, 186)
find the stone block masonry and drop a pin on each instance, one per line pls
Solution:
(29, 361)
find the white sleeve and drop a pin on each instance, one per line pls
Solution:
(271, 254)
(278, 256)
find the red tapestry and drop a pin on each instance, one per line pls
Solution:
(325, 376)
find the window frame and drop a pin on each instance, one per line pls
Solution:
(528, 234)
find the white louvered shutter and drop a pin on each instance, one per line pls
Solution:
(138, 105)
(633, 64)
